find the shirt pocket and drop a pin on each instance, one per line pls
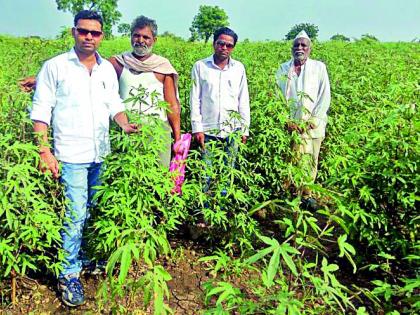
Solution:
(104, 98)
(232, 87)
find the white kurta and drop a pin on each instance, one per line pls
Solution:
(308, 94)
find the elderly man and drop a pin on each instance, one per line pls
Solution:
(219, 88)
(77, 93)
(141, 69)
(155, 74)
(305, 85)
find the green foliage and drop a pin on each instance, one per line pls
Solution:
(288, 260)
(406, 293)
(171, 35)
(124, 29)
(340, 37)
(136, 212)
(29, 223)
(369, 38)
(207, 21)
(107, 8)
(31, 204)
(310, 29)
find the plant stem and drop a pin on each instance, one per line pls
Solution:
(13, 277)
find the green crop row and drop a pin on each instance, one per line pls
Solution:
(368, 187)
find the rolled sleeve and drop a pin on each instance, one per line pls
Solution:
(44, 98)
(116, 107)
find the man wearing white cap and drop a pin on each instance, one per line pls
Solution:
(305, 85)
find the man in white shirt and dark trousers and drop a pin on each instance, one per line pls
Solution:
(305, 85)
(77, 93)
(219, 88)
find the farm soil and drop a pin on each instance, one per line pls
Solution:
(39, 295)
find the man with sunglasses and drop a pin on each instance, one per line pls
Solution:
(305, 85)
(219, 90)
(219, 87)
(77, 93)
(154, 74)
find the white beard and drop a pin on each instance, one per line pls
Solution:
(300, 57)
(142, 50)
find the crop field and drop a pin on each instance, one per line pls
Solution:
(263, 253)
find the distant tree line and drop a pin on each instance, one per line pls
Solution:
(205, 22)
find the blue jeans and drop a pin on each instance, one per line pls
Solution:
(78, 180)
(231, 149)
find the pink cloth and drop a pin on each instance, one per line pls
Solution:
(177, 165)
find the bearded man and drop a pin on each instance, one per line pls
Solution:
(305, 85)
(155, 75)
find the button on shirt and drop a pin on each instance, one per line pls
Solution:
(78, 105)
(215, 94)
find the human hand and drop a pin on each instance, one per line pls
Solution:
(244, 139)
(291, 126)
(311, 125)
(177, 147)
(48, 162)
(199, 137)
(130, 128)
(27, 84)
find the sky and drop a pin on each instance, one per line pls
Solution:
(387, 20)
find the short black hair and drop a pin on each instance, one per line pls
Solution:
(225, 31)
(88, 15)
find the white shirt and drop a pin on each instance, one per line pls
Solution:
(78, 106)
(308, 94)
(215, 93)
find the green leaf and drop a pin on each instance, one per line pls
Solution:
(287, 258)
(273, 266)
(125, 263)
(260, 254)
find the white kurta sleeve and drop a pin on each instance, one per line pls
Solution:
(195, 100)
(324, 99)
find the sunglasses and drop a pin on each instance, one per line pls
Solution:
(85, 32)
(222, 43)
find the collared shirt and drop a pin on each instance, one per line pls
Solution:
(78, 105)
(216, 94)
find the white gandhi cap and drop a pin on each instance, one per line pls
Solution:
(302, 34)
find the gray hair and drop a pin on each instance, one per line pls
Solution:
(143, 21)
